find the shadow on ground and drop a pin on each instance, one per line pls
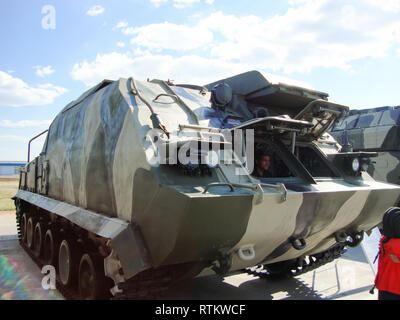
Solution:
(253, 288)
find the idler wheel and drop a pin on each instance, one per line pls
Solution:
(50, 247)
(92, 281)
(29, 233)
(37, 240)
(68, 263)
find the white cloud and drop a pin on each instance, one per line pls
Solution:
(25, 124)
(14, 92)
(8, 137)
(189, 69)
(316, 34)
(170, 36)
(43, 71)
(297, 2)
(120, 25)
(180, 4)
(14, 147)
(312, 33)
(121, 44)
(387, 5)
(112, 66)
(157, 3)
(95, 10)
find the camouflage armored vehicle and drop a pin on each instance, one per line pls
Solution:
(114, 204)
(374, 130)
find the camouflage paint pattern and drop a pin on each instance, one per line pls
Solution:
(95, 163)
(377, 130)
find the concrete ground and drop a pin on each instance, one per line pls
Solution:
(7, 224)
(20, 277)
(348, 278)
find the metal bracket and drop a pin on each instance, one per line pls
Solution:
(246, 253)
(112, 268)
(279, 186)
(298, 244)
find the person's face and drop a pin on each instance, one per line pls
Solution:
(264, 162)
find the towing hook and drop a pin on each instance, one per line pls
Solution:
(356, 239)
(298, 244)
(224, 261)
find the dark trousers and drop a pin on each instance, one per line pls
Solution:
(384, 295)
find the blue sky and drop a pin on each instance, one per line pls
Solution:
(348, 48)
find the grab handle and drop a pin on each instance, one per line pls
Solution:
(30, 141)
(211, 185)
(167, 95)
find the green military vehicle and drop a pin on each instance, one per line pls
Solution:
(374, 130)
(143, 183)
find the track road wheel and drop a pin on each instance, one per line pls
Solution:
(50, 249)
(68, 263)
(23, 223)
(38, 240)
(92, 281)
(29, 233)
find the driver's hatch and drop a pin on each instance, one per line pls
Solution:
(323, 115)
(309, 124)
(298, 104)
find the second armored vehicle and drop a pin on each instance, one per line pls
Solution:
(374, 130)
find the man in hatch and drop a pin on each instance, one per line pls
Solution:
(263, 165)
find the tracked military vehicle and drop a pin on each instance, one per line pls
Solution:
(374, 130)
(114, 203)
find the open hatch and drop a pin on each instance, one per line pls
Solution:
(275, 106)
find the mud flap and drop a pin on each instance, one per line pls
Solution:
(131, 251)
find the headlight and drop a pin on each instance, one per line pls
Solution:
(355, 165)
(200, 162)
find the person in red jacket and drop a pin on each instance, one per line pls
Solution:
(387, 280)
